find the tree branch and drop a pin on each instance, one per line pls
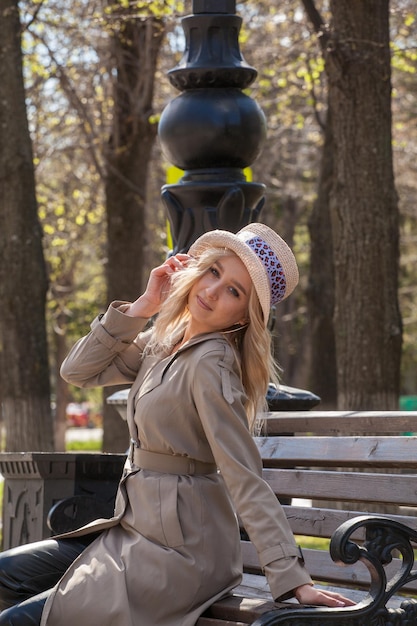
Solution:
(319, 25)
(33, 18)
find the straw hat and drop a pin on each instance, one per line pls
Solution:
(268, 259)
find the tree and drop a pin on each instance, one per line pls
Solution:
(95, 126)
(67, 105)
(24, 373)
(363, 203)
(320, 292)
(136, 40)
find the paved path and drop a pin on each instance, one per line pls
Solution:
(84, 434)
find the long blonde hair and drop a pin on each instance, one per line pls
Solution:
(252, 343)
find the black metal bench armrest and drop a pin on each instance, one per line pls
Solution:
(383, 536)
(74, 512)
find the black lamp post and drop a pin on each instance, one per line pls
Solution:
(212, 130)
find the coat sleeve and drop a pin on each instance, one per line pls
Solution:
(219, 399)
(110, 354)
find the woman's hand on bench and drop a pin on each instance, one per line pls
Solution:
(308, 594)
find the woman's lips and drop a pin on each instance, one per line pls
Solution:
(203, 304)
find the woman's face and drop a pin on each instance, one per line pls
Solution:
(219, 299)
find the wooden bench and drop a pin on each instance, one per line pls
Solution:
(331, 457)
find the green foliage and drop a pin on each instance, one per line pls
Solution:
(146, 8)
(314, 543)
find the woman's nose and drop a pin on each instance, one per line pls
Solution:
(211, 292)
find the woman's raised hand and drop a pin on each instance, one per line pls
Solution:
(157, 289)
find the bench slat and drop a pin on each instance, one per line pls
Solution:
(234, 607)
(211, 621)
(398, 452)
(399, 489)
(338, 422)
(321, 522)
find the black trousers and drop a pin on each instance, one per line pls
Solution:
(28, 573)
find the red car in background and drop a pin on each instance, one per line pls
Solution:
(78, 415)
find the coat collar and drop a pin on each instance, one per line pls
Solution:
(159, 364)
(198, 339)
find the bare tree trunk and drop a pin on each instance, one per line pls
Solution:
(364, 211)
(363, 203)
(136, 44)
(61, 386)
(24, 374)
(320, 293)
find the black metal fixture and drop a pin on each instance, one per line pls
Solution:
(212, 130)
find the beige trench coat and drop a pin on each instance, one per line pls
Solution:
(173, 546)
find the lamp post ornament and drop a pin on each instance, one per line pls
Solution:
(211, 130)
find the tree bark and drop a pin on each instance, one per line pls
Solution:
(363, 203)
(320, 292)
(363, 207)
(136, 44)
(24, 372)
(61, 386)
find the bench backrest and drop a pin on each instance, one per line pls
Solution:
(343, 476)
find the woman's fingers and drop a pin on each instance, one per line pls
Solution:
(308, 594)
(178, 261)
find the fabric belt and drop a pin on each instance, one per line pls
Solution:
(168, 463)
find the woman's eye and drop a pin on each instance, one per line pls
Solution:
(234, 292)
(214, 271)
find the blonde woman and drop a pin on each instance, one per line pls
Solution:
(199, 376)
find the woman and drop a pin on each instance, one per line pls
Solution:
(199, 377)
